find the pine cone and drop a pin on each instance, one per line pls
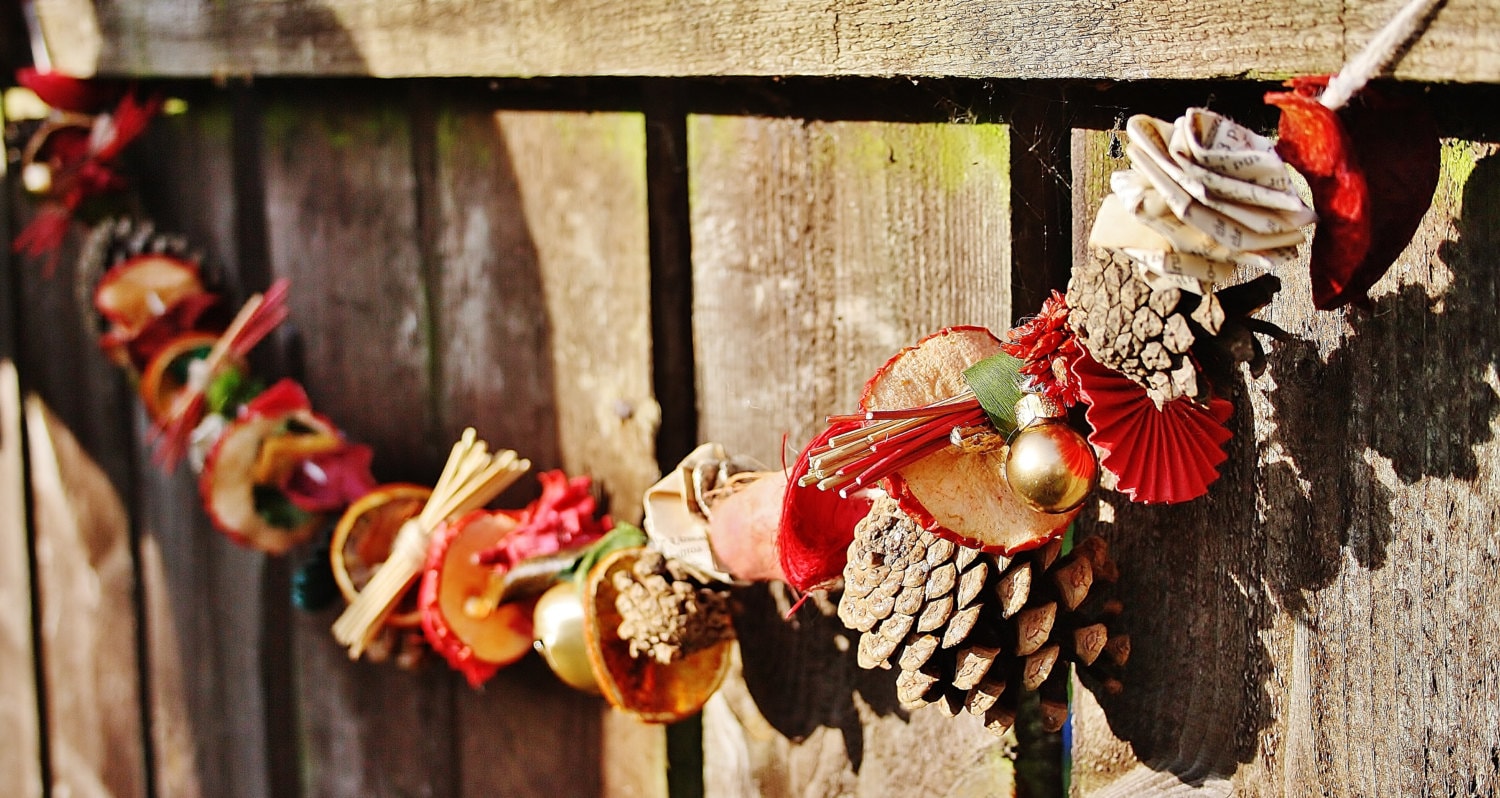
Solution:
(667, 611)
(971, 631)
(1144, 332)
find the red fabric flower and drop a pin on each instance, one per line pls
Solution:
(331, 480)
(561, 518)
(1157, 456)
(1046, 347)
(1372, 166)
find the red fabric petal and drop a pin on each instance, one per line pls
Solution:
(562, 517)
(286, 396)
(1372, 168)
(67, 93)
(331, 480)
(1157, 456)
(817, 526)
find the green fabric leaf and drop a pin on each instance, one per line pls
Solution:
(276, 509)
(996, 381)
(623, 536)
(230, 389)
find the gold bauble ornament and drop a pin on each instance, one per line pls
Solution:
(1051, 467)
(559, 636)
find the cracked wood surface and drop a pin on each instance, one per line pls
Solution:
(1081, 39)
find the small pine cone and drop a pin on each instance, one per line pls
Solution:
(1140, 331)
(982, 629)
(668, 612)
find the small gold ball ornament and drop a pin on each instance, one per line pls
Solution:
(1051, 467)
(559, 634)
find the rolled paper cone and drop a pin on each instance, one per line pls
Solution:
(743, 530)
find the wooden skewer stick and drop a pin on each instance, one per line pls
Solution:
(470, 479)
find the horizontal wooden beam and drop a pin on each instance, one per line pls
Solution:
(1028, 39)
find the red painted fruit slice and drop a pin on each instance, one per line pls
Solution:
(229, 483)
(138, 290)
(476, 645)
(957, 495)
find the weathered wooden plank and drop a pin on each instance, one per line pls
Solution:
(88, 615)
(1319, 624)
(204, 616)
(22, 756)
(78, 425)
(342, 224)
(1037, 39)
(539, 225)
(820, 249)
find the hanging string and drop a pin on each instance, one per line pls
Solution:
(1408, 23)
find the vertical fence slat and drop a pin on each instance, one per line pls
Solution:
(78, 427)
(21, 757)
(341, 223)
(203, 614)
(820, 249)
(1316, 624)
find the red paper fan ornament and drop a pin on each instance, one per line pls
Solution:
(1161, 456)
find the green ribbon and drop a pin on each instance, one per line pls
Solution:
(996, 381)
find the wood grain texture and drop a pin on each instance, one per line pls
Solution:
(1319, 624)
(582, 182)
(21, 757)
(539, 225)
(820, 249)
(88, 615)
(342, 224)
(78, 425)
(1034, 39)
(202, 591)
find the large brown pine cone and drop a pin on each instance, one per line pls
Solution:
(1141, 331)
(972, 631)
(667, 611)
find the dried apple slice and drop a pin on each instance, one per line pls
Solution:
(138, 290)
(166, 374)
(959, 495)
(251, 513)
(645, 688)
(362, 541)
(475, 643)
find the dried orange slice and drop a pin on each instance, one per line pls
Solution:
(166, 374)
(475, 643)
(362, 540)
(137, 290)
(962, 496)
(653, 692)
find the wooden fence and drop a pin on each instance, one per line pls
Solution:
(711, 221)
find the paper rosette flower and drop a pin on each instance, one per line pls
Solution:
(1202, 196)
